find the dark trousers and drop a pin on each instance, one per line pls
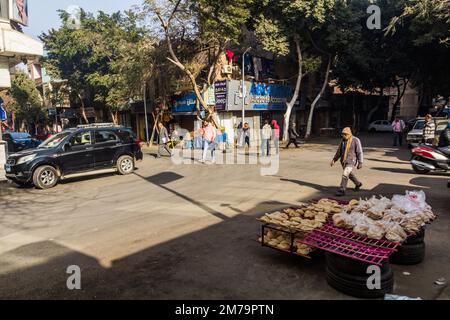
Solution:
(398, 137)
(247, 141)
(163, 147)
(292, 140)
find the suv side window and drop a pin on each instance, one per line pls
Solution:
(105, 136)
(81, 139)
(125, 136)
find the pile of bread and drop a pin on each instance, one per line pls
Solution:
(379, 218)
(282, 240)
(306, 218)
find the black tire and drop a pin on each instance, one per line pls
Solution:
(409, 254)
(350, 266)
(419, 237)
(45, 177)
(125, 165)
(358, 287)
(417, 169)
(373, 130)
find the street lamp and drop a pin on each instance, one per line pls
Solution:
(243, 85)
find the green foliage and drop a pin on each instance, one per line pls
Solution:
(109, 55)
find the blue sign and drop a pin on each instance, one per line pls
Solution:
(265, 96)
(3, 116)
(184, 103)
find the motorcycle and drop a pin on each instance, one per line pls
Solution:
(427, 158)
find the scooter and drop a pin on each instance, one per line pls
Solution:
(427, 158)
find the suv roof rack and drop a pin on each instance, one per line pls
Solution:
(99, 125)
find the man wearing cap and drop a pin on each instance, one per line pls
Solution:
(350, 153)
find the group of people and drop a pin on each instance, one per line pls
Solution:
(210, 139)
(428, 134)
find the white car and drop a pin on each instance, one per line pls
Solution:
(380, 126)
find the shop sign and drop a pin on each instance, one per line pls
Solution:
(184, 103)
(220, 89)
(261, 96)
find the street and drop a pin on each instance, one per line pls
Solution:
(189, 231)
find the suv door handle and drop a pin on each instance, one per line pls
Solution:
(90, 148)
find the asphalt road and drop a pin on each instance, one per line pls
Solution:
(173, 231)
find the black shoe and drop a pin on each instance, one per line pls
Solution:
(340, 193)
(358, 187)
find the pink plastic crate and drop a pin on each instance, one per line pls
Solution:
(347, 248)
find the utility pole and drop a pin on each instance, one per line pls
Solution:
(145, 111)
(243, 85)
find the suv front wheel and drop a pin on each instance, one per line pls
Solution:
(45, 177)
(125, 165)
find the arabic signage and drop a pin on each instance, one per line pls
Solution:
(260, 96)
(184, 103)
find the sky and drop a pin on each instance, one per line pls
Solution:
(43, 14)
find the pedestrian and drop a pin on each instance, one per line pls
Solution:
(209, 134)
(350, 153)
(188, 140)
(163, 140)
(246, 133)
(293, 135)
(223, 140)
(276, 135)
(266, 134)
(398, 126)
(429, 130)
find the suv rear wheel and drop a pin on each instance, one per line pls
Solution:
(45, 177)
(125, 165)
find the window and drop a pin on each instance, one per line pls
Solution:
(125, 136)
(105, 136)
(81, 139)
(4, 11)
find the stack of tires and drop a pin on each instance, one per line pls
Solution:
(351, 276)
(412, 251)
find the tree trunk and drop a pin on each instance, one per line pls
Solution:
(372, 112)
(400, 93)
(114, 117)
(83, 110)
(319, 95)
(290, 105)
(174, 59)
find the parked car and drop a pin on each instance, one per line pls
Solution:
(415, 136)
(18, 141)
(82, 149)
(380, 126)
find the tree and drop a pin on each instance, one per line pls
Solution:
(106, 60)
(26, 102)
(204, 23)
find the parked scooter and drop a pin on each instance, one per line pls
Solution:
(426, 158)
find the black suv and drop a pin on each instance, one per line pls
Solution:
(82, 149)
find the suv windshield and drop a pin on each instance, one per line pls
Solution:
(20, 135)
(54, 140)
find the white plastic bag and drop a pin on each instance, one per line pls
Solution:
(411, 201)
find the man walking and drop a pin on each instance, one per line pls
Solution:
(293, 135)
(163, 140)
(266, 134)
(398, 126)
(429, 130)
(350, 153)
